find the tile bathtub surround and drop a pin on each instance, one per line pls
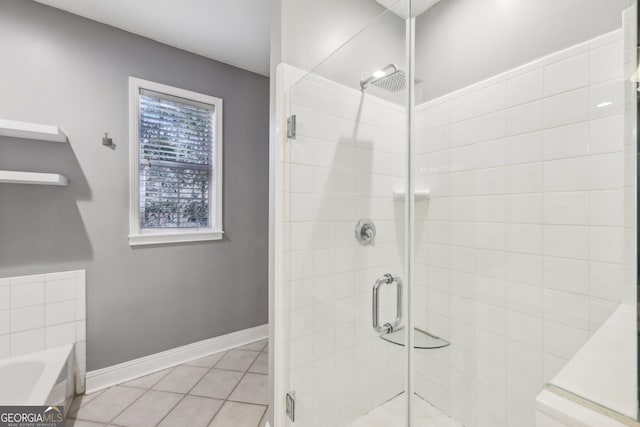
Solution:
(44, 311)
(227, 389)
(520, 254)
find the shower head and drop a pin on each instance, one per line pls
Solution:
(389, 78)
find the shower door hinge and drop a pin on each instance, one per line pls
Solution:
(291, 405)
(291, 127)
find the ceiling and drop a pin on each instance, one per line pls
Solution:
(235, 32)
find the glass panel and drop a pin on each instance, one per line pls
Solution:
(525, 245)
(347, 160)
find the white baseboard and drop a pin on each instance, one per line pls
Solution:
(122, 372)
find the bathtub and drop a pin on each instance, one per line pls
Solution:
(41, 378)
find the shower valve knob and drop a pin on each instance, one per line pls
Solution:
(366, 232)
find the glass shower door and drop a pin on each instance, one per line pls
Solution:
(346, 176)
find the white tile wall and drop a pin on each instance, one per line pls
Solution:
(345, 163)
(522, 245)
(43, 311)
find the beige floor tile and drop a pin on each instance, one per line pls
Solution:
(253, 388)
(235, 414)
(261, 365)
(148, 410)
(147, 381)
(72, 422)
(109, 404)
(192, 411)
(254, 346)
(217, 384)
(81, 400)
(237, 360)
(207, 361)
(181, 379)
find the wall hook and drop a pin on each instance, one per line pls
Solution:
(106, 140)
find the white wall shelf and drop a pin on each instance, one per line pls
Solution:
(36, 131)
(37, 178)
(419, 195)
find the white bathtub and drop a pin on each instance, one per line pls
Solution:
(41, 378)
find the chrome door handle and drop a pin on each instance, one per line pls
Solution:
(389, 327)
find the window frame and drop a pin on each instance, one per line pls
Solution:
(147, 236)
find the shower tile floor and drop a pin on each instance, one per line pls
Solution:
(227, 389)
(388, 414)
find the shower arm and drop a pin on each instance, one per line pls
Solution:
(366, 82)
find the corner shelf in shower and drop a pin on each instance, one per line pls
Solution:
(38, 178)
(35, 131)
(419, 195)
(421, 339)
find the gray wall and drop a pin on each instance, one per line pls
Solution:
(460, 42)
(62, 69)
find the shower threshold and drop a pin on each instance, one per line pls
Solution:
(421, 339)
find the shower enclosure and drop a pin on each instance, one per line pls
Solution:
(455, 211)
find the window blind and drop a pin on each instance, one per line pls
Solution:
(177, 139)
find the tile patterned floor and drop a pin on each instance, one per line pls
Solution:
(227, 389)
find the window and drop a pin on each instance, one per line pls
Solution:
(176, 165)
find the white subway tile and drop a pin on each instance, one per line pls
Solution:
(463, 133)
(463, 107)
(566, 241)
(525, 148)
(5, 322)
(523, 389)
(607, 99)
(563, 341)
(491, 126)
(60, 312)
(566, 274)
(60, 290)
(26, 318)
(566, 141)
(525, 208)
(606, 244)
(525, 359)
(566, 175)
(566, 308)
(525, 329)
(58, 335)
(26, 294)
(605, 171)
(27, 342)
(566, 108)
(525, 238)
(525, 299)
(605, 280)
(525, 118)
(525, 88)
(606, 62)
(5, 297)
(571, 208)
(571, 73)
(23, 280)
(525, 268)
(5, 346)
(526, 178)
(606, 208)
(491, 99)
(606, 135)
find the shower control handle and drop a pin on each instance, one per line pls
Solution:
(366, 232)
(388, 327)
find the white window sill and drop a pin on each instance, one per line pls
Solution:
(168, 238)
